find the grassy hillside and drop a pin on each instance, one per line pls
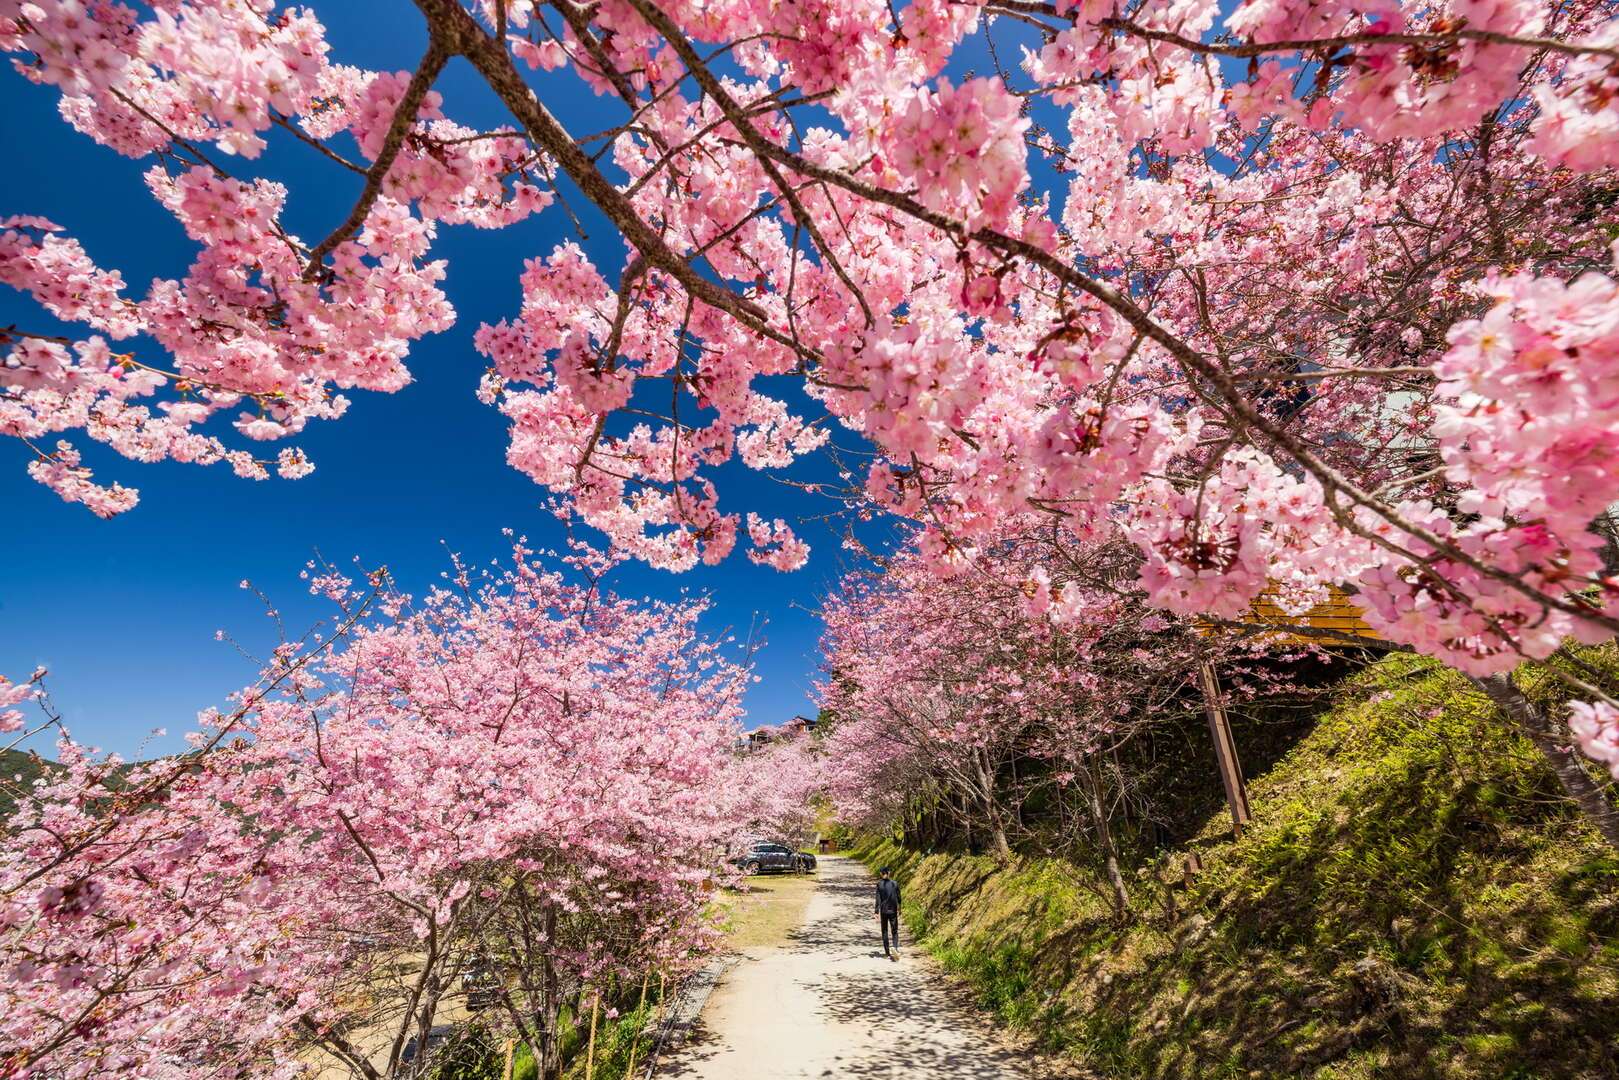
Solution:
(1413, 900)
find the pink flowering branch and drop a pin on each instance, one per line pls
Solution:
(1327, 44)
(1320, 322)
(399, 127)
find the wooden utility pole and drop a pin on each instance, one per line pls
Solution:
(640, 1029)
(1225, 748)
(590, 1051)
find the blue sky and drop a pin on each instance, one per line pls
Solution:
(124, 612)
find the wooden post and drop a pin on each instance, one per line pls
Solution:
(640, 1018)
(511, 1050)
(590, 1051)
(657, 1023)
(1225, 749)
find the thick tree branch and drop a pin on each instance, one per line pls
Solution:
(458, 32)
(1333, 482)
(404, 116)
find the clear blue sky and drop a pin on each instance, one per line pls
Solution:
(124, 611)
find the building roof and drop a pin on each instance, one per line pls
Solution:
(1337, 622)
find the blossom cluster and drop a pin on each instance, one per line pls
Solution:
(962, 149)
(205, 70)
(1595, 725)
(1527, 425)
(1329, 316)
(514, 766)
(11, 695)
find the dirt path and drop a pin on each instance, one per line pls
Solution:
(826, 1003)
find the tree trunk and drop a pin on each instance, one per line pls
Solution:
(550, 1048)
(1551, 738)
(992, 811)
(1104, 837)
(1225, 749)
(1017, 801)
(425, 1017)
(998, 841)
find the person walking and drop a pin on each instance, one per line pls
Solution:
(888, 911)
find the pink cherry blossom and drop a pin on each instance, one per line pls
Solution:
(509, 756)
(1596, 727)
(1290, 294)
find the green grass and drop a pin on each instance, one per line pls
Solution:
(1413, 899)
(766, 911)
(614, 1038)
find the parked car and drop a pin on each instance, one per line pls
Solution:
(806, 862)
(437, 1037)
(767, 858)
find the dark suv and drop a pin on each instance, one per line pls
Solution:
(767, 858)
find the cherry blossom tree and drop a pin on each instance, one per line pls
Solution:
(777, 790)
(1300, 293)
(959, 702)
(511, 775)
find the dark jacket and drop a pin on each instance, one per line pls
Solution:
(887, 897)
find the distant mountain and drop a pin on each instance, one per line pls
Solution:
(15, 764)
(19, 769)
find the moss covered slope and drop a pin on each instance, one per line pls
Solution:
(1412, 900)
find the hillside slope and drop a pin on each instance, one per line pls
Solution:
(1411, 901)
(18, 771)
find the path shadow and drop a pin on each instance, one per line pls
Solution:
(843, 929)
(691, 1053)
(916, 1030)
